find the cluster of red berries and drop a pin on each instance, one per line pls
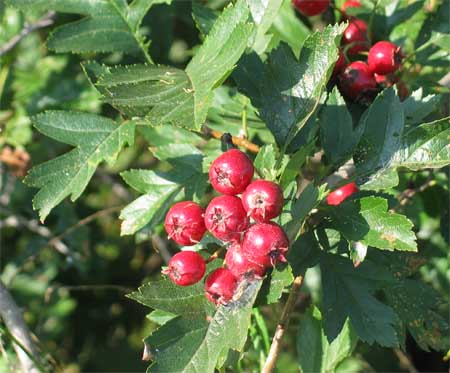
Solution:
(253, 247)
(360, 81)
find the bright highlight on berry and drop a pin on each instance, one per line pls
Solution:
(340, 195)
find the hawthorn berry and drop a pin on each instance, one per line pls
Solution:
(231, 172)
(384, 58)
(339, 65)
(220, 286)
(240, 266)
(357, 82)
(263, 200)
(185, 268)
(385, 81)
(226, 218)
(311, 7)
(184, 223)
(339, 195)
(350, 4)
(356, 35)
(265, 244)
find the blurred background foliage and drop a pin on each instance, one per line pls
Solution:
(73, 288)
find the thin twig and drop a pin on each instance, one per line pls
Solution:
(271, 360)
(409, 193)
(405, 361)
(160, 245)
(45, 21)
(244, 143)
(25, 348)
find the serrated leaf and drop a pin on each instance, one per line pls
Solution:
(285, 90)
(265, 162)
(348, 293)
(383, 125)
(304, 253)
(96, 139)
(368, 220)
(198, 344)
(416, 303)
(417, 107)
(279, 280)
(109, 25)
(382, 180)
(337, 136)
(315, 353)
(425, 146)
(164, 295)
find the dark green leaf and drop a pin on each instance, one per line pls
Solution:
(280, 278)
(368, 220)
(265, 162)
(304, 253)
(347, 293)
(96, 139)
(417, 107)
(315, 353)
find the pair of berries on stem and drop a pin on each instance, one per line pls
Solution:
(253, 247)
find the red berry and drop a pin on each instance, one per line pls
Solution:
(185, 268)
(384, 58)
(239, 265)
(231, 172)
(220, 286)
(339, 195)
(226, 218)
(263, 200)
(385, 80)
(265, 244)
(356, 35)
(311, 7)
(339, 65)
(357, 81)
(185, 223)
(350, 4)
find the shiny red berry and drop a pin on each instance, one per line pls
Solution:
(311, 7)
(356, 35)
(231, 172)
(265, 244)
(263, 200)
(220, 286)
(357, 82)
(384, 58)
(185, 268)
(339, 195)
(240, 266)
(350, 4)
(339, 65)
(185, 224)
(226, 218)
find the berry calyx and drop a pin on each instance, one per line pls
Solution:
(356, 35)
(184, 223)
(231, 172)
(226, 218)
(263, 200)
(265, 244)
(357, 82)
(220, 286)
(384, 58)
(339, 195)
(185, 268)
(311, 7)
(240, 266)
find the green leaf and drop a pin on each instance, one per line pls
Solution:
(417, 303)
(425, 146)
(164, 295)
(347, 293)
(417, 107)
(337, 136)
(304, 253)
(383, 128)
(287, 91)
(96, 139)
(198, 344)
(160, 317)
(265, 162)
(279, 280)
(382, 180)
(203, 17)
(109, 26)
(315, 353)
(368, 220)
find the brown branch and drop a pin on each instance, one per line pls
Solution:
(282, 326)
(14, 322)
(405, 361)
(244, 143)
(45, 21)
